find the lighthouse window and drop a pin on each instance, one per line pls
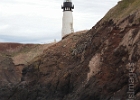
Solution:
(67, 0)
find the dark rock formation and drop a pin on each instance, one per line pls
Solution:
(100, 64)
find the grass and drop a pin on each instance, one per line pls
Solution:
(122, 9)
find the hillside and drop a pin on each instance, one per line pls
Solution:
(14, 57)
(125, 8)
(99, 64)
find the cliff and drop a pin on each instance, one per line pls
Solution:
(99, 64)
(14, 57)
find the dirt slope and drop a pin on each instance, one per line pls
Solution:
(100, 64)
(14, 57)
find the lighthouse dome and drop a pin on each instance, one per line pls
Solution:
(67, 0)
(67, 5)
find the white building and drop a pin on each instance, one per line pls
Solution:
(67, 20)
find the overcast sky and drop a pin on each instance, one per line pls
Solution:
(40, 21)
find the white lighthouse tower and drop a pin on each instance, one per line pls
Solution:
(67, 20)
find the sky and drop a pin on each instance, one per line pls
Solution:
(40, 21)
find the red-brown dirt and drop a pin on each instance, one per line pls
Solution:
(99, 64)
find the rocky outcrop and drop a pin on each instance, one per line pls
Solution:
(13, 58)
(100, 64)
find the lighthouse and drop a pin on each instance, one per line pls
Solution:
(67, 20)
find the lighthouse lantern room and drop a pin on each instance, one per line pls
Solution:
(67, 20)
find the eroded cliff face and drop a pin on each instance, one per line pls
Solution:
(100, 64)
(13, 58)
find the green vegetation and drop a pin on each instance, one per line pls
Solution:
(122, 9)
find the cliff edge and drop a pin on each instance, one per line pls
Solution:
(99, 64)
